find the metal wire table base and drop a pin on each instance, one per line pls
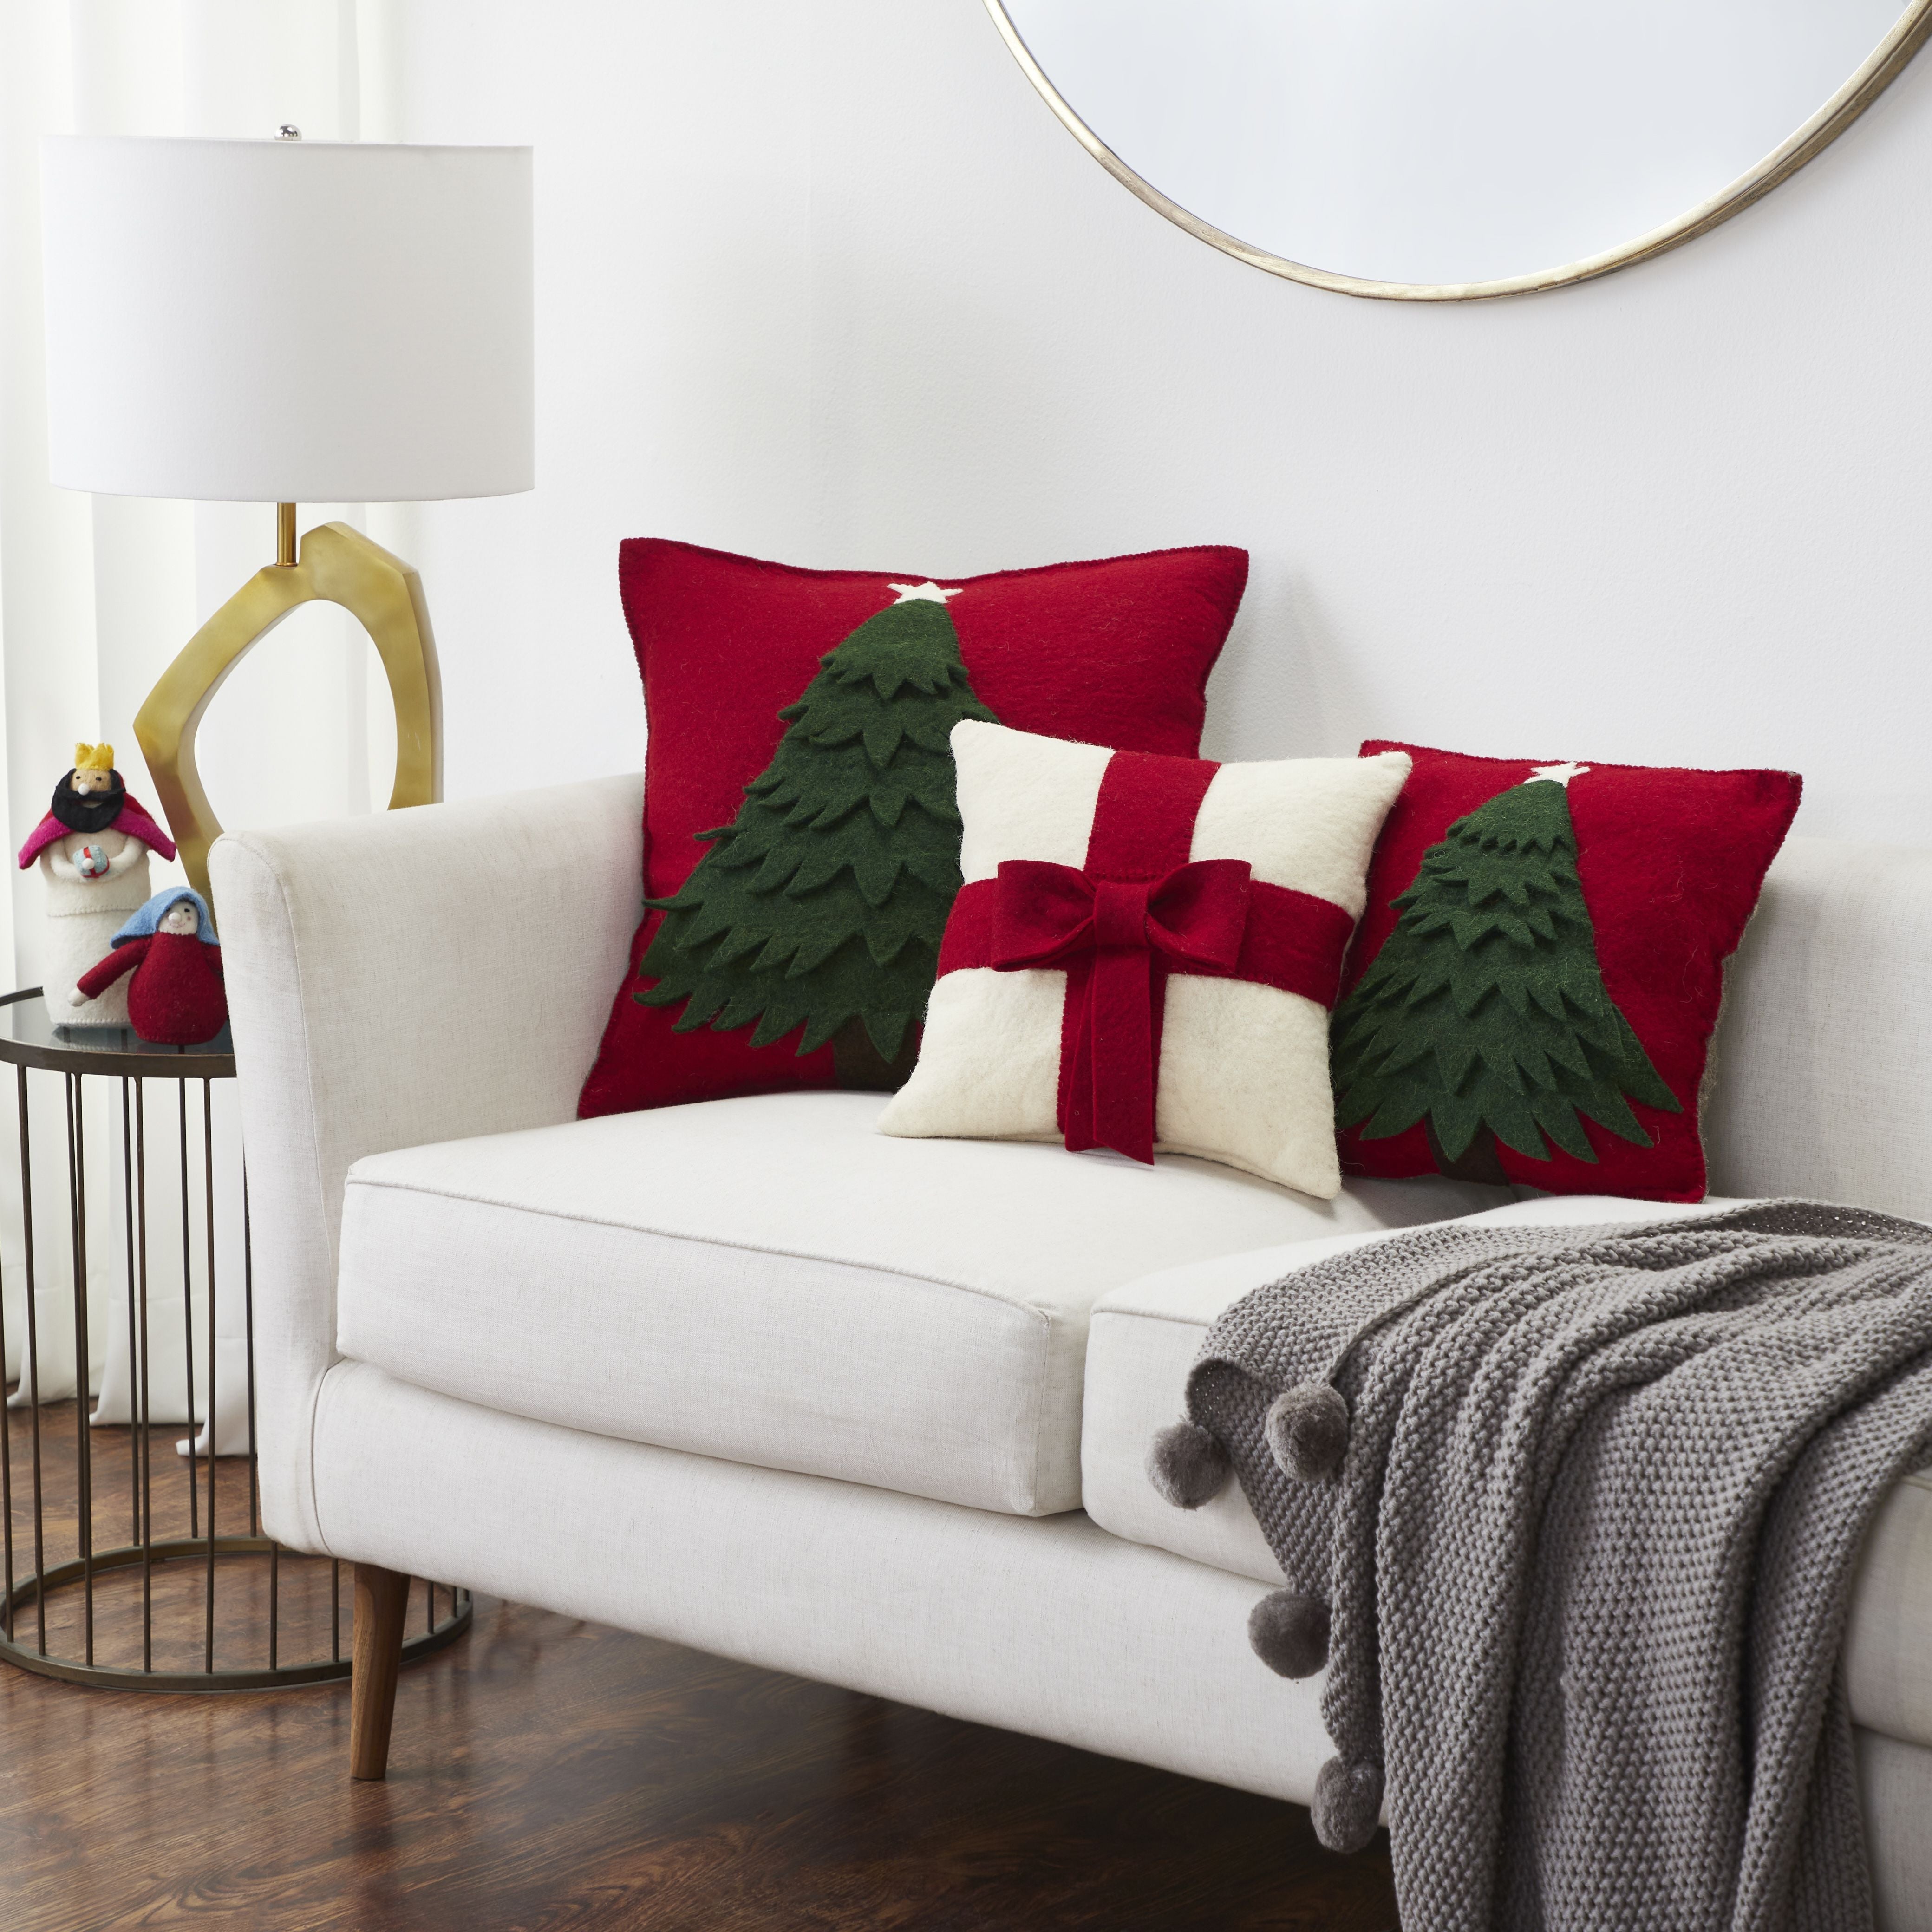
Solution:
(34, 1593)
(202, 1610)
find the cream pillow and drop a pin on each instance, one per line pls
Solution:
(1177, 926)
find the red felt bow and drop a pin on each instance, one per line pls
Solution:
(1107, 933)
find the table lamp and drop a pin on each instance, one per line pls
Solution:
(282, 321)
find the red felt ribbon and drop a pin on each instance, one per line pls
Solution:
(1139, 911)
(1115, 939)
(1051, 918)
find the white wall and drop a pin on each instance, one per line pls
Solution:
(828, 283)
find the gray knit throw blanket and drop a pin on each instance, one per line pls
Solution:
(1572, 1513)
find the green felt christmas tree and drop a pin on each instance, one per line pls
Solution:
(818, 910)
(1485, 1014)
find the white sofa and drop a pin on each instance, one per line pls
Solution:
(747, 1376)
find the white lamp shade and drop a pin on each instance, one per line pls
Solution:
(288, 321)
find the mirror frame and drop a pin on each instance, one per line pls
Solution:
(1887, 60)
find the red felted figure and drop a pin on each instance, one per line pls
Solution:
(176, 996)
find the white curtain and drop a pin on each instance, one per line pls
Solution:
(96, 594)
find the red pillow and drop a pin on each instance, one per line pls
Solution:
(1531, 993)
(798, 749)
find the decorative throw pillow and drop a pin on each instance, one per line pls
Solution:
(801, 840)
(1531, 994)
(1145, 951)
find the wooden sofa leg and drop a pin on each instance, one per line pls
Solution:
(382, 1601)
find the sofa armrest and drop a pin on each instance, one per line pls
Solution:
(411, 977)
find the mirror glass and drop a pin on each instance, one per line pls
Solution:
(1446, 141)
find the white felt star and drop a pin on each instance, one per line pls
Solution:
(1558, 774)
(928, 593)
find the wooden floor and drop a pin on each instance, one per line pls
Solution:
(549, 1773)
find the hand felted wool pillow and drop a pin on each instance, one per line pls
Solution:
(801, 838)
(1531, 994)
(1145, 952)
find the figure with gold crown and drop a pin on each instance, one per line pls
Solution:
(93, 848)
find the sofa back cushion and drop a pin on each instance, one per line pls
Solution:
(1820, 1080)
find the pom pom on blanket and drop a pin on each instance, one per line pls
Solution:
(1348, 1804)
(1307, 1432)
(1289, 1632)
(1187, 1466)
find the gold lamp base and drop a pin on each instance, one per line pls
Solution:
(339, 565)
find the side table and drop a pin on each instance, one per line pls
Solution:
(195, 1598)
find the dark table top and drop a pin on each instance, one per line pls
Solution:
(28, 1038)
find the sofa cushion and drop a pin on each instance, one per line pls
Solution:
(768, 1280)
(1145, 1335)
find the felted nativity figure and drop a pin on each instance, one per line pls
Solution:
(168, 949)
(93, 848)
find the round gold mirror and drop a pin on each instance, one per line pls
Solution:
(1449, 150)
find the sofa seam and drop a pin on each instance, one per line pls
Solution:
(1042, 1367)
(1045, 1318)
(322, 1536)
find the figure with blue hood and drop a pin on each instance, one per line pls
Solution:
(176, 996)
